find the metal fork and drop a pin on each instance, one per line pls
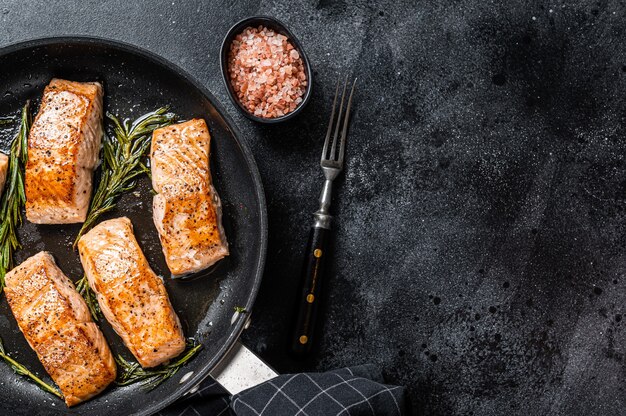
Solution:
(316, 251)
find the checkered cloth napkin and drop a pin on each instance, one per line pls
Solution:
(351, 391)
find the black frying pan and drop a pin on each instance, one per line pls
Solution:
(135, 82)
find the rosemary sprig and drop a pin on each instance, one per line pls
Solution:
(82, 286)
(132, 372)
(23, 371)
(122, 163)
(13, 198)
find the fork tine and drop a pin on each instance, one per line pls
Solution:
(342, 148)
(330, 125)
(343, 96)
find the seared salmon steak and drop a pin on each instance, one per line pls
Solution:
(63, 148)
(131, 296)
(56, 323)
(187, 210)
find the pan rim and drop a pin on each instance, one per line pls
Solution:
(239, 326)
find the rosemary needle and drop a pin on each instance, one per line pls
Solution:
(122, 161)
(23, 371)
(13, 198)
(82, 287)
(132, 372)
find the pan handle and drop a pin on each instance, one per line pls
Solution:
(242, 369)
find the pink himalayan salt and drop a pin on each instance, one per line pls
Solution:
(266, 72)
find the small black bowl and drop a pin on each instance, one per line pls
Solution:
(278, 27)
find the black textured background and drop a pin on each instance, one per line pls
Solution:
(480, 248)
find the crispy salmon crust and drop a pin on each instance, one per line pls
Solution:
(63, 147)
(132, 297)
(187, 210)
(56, 323)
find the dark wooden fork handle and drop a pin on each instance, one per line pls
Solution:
(311, 289)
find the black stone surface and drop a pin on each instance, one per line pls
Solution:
(480, 247)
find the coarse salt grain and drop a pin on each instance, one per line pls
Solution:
(266, 72)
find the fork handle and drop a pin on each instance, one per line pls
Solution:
(311, 289)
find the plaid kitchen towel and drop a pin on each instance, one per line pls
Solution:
(351, 391)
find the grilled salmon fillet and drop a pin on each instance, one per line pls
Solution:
(56, 323)
(4, 168)
(187, 210)
(63, 147)
(131, 296)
